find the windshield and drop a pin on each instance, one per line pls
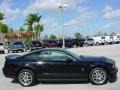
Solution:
(35, 42)
(18, 43)
(89, 39)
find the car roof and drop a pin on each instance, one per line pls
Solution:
(44, 49)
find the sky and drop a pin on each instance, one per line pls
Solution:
(85, 16)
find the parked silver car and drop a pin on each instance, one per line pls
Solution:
(2, 48)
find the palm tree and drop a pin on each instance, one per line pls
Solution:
(38, 29)
(31, 20)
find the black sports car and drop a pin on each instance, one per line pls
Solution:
(59, 64)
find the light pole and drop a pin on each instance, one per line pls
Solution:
(62, 6)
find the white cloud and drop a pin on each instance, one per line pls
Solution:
(10, 14)
(110, 13)
(83, 18)
(40, 5)
(50, 5)
(81, 9)
(49, 22)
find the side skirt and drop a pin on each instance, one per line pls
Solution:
(63, 79)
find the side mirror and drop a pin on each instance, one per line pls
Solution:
(69, 60)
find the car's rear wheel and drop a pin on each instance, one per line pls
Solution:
(26, 77)
(22, 50)
(98, 76)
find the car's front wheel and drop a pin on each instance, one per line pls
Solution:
(26, 77)
(98, 76)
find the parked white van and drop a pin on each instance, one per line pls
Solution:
(116, 39)
(99, 40)
(109, 39)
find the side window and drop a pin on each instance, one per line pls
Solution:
(111, 37)
(102, 37)
(54, 56)
(118, 36)
(33, 57)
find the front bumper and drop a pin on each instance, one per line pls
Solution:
(1, 50)
(18, 49)
(113, 75)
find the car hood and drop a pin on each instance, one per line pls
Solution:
(96, 59)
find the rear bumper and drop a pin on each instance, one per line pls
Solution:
(35, 48)
(16, 49)
(8, 73)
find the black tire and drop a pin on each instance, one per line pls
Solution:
(86, 44)
(91, 45)
(13, 51)
(22, 50)
(81, 45)
(30, 74)
(97, 44)
(105, 80)
(3, 52)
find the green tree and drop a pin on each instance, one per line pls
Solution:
(78, 35)
(53, 37)
(21, 29)
(1, 16)
(27, 41)
(3, 28)
(11, 30)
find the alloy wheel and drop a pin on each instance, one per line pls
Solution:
(98, 76)
(25, 78)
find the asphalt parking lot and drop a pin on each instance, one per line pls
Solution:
(111, 51)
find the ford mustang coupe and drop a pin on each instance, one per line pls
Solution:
(60, 65)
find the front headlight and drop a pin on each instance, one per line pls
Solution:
(113, 66)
